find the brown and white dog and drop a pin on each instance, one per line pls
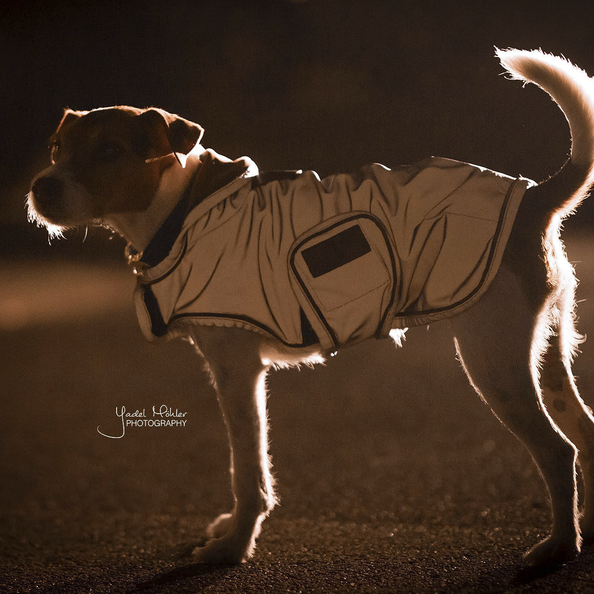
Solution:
(128, 169)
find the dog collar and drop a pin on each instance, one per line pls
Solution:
(165, 237)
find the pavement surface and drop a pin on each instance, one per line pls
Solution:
(393, 476)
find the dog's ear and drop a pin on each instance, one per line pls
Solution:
(68, 119)
(169, 133)
(183, 134)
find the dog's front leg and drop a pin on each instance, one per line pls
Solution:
(239, 378)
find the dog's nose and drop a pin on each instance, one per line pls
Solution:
(47, 189)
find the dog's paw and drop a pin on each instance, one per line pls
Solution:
(220, 526)
(222, 551)
(232, 540)
(552, 551)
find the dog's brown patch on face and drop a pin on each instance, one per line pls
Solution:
(559, 405)
(106, 152)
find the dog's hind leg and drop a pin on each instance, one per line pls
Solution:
(495, 341)
(572, 416)
(559, 390)
(239, 376)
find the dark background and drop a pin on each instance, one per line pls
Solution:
(393, 476)
(322, 84)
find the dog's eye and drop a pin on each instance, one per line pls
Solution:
(56, 150)
(108, 151)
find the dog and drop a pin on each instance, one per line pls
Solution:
(345, 275)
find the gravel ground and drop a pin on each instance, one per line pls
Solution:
(393, 476)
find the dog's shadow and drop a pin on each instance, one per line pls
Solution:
(560, 571)
(180, 574)
(209, 575)
(176, 575)
(527, 575)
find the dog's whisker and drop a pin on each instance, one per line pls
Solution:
(153, 159)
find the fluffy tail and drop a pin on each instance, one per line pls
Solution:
(573, 90)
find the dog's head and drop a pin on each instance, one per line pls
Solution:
(107, 161)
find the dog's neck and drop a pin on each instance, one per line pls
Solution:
(138, 228)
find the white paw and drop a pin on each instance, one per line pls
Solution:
(222, 551)
(220, 526)
(552, 551)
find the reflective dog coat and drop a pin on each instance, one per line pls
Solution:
(335, 260)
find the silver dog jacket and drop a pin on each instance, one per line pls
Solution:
(334, 260)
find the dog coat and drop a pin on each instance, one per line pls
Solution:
(336, 260)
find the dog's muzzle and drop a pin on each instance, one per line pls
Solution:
(47, 196)
(46, 190)
(59, 200)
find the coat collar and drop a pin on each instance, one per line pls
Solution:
(212, 173)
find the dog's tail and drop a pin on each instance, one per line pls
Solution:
(573, 90)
